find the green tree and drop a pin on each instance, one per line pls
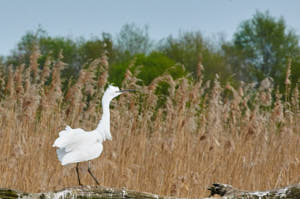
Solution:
(25, 47)
(156, 64)
(1, 60)
(53, 45)
(47, 46)
(76, 53)
(187, 49)
(132, 40)
(261, 47)
(93, 48)
(149, 67)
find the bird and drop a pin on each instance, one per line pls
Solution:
(77, 145)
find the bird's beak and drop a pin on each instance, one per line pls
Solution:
(127, 90)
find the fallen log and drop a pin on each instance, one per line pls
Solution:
(84, 192)
(95, 192)
(227, 191)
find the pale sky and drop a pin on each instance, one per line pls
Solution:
(88, 18)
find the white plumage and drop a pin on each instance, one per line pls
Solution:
(78, 145)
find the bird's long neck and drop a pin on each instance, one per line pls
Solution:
(104, 123)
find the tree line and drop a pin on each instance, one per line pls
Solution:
(262, 46)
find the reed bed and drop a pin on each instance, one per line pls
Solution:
(175, 144)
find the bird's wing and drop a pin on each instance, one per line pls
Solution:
(77, 145)
(69, 129)
(79, 154)
(71, 139)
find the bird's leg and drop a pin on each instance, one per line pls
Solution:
(89, 170)
(77, 171)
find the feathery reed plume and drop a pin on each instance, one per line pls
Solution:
(265, 92)
(130, 80)
(104, 60)
(9, 89)
(2, 83)
(33, 61)
(27, 82)
(295, 99)
(168, 78)
(234, 107)
(19, 80)
(74, 97)
(277, 112)
(54, 95)
(200, 67)
(46, 70)
(102, 80)
(214, 112)
(288, 72)
(150, 91)
(30, 103)
(88, 80)
(287, 81)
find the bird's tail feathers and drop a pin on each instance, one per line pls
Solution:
(68, 128)
(64, 132)
(59, 142)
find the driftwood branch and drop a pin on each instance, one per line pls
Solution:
(84, 192)
(87, 192)
(227, 191)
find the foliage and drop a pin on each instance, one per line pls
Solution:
(93, 48)
(132, 40)
(156, 64)
(75, 53)
(190, 48)
(147, 67)
(185, 49)
(261, 47)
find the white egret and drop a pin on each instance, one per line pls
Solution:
(78, 145)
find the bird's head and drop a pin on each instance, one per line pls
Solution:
(114, 91)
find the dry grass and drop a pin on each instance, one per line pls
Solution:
(203, 134)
